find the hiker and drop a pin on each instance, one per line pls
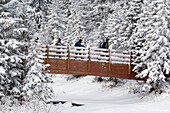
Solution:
(59, 52)
(59, 42)
(78, 44)
(105, 45)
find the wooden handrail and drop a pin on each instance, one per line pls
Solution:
(88, 54)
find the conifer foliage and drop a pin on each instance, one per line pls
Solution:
(12, 68)
(152, 45)
(21, 73)
(35, 81)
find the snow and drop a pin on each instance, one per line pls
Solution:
(96, 97)
(99, 99)
(2, 70)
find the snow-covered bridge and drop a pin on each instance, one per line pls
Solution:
(88, 61)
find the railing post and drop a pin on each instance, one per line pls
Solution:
(89, 59)
(68, 60)
(130, 62)
(47, 54)
(109, 60)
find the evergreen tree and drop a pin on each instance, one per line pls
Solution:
(113, 25)
(14, 54)
(94, 19)
(35, 81)
(41, 5)
(57, 20)
(12, 68)
(121, 22)
(152, 44)
(75, 29)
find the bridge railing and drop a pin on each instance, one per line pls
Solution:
(88, 61)
(78, 53)
(87, 54)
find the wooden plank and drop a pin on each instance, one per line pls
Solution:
(78, 51)
(75, 48)
(58, 50)
(79, 66)
(57, 54)
(120, 55)
(100, 53)
(120, 59)
(56, 64)
(79, 56)
(57, 46)
(119, 51)
(99, 49)
(96, 69)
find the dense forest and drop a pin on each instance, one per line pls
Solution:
(140, 26)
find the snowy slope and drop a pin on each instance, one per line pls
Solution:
(96, 97)
(99, 99)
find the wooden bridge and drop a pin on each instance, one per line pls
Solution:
(88, 61)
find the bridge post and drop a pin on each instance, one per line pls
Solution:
(109, 60)
(68, 60)
(130, 62)
(89, 59)
(47, 54)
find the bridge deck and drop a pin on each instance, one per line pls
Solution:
(88, 61)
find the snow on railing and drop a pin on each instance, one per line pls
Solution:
(78, 53)
(87, 54)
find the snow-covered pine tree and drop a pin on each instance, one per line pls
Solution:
(12, 68)
(39, 13)
(75, 29)
(94, 19)
(152, 45)
(57, 20)
(41, 5)
(113, 24)
(11, 54)
(35, 81)
(14, 43)
(132, 11)
(122, 22)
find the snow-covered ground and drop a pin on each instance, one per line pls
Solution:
(96, 97)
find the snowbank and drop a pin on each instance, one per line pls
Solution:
(96, 98)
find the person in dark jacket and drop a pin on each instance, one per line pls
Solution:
(59, 42)
(105, 45)
(78, 44)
